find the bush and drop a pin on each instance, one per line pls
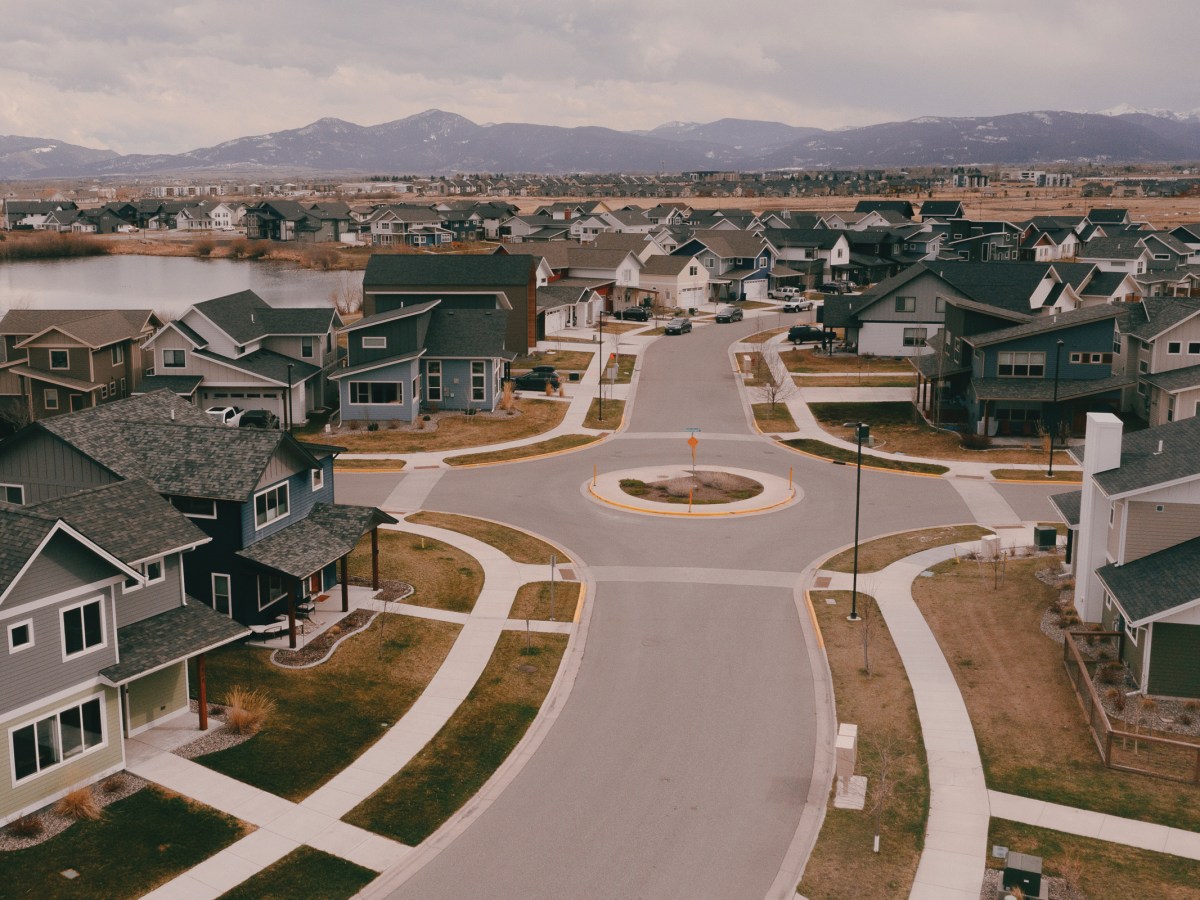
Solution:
(1112, 673)
(974, 441)
(79, 804)
(204, 247)
(324, 258)
(114, 784)
(237, 248)
(258, 249)
(247, 710)
(1117, 697)
(29, 826)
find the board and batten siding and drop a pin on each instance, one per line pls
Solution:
(35, 792)
(153, 599)
(48, 467)
(1156, 526)
(301, 498)
(1173, 668)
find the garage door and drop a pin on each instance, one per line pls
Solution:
(756, 290)
(1174, 662)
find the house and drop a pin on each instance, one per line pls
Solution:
(675, 281)
(264, 498)
(226, 215)
(942, 210)
(641, 245)
(1159, 346)
(61, 360)
(409, 226)
(238, 350)
(460, 281)
(1108, 216)
(810, 253)
(1136, 529)
(420, 354)
(31, 213)
(98, 631)
(739, 263)
(563, 306)
(1126, 254)
(195, 217)
(287, 220)
(901, 208)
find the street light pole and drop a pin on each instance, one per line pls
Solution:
(861, 433)
(1054, 409)
(600, 353)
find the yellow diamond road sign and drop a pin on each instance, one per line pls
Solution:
(692, 442)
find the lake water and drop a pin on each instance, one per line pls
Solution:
(165, 284)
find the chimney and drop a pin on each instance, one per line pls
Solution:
(1158, 452)
(1102, 443)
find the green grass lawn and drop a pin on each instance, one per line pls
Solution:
(327, 715)
(471, 746)
(141, 842)
(304, 872)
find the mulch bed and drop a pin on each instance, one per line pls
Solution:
(320, 648)
(703, 487)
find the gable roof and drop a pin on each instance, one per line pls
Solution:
(326, 534)
(92, 327)
(246, 317)
(1174, 573)
(661, 264)
(728, 244)
(1154, 316)
(477, 333)
(448, 269)
(1143, 466)
(1044, 324)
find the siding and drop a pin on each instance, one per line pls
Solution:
(1185, 333)
(49, 468)
(90, 767)
(301, 498)
(1149, 531)
(156, 696)
(152, 599)
(1173, 667)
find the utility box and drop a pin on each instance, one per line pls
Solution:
(1045, 537)
(1025, 872)
(990, 546)
(846, 745)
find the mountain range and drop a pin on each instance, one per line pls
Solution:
(441, 143)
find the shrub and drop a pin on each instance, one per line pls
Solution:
(238, 247)
(257, 249)
(1192, 706)
(1186, 720)
(324, 258)
(247, 710)
(204, 247)
(29, 826)
(1117, 697)
(79, 804)
(972, 441)
(114, 784)
(1112, 673)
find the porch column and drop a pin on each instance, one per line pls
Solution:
(1070, 546)
(345, 585)
(291, 614)
(202, 692)
(985, 418)
(375, 558)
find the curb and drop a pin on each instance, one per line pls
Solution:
(691, 515)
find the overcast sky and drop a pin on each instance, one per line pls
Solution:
(157, 77)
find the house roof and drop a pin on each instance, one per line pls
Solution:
(1044, 324)
(730, 244)
(553, 296)
(266, 364)
(1103, 284)
(1033, 389)
(75, 384)
(326, 534)
(661, 264)
(1143, 466)
(246, 317)
(372, 365)
(171, 636)
(183, 385)
(21, 533)
(1126, 246)
(400, 312)
(1154, 316)
(1068, 505)
(953, 208)
(93, 327)
(447, 269)
(821, 238)
(1175, 380)
(476, 333)
(616, 240)
(1173, 572)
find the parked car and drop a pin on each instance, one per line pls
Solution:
(678, 325)
(831, 287)
(806, 334)
(797, 304)
(633, 314)
(730, 314)
(226, 415)
(537, 379)
(784, 293)
(259, 418)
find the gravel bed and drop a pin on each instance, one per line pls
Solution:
(216, 739)
(322, 646)
(1056, 888)
(106, 791)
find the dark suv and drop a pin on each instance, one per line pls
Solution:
(537, 379)
(633, 314)
(831, 287)
(259, 418)
(806, 334)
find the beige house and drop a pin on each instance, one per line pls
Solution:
(677, 281)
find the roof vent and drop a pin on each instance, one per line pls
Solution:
(172, 414)
(251, 318)
(1159, 450)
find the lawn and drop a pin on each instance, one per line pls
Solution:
(809, 361)
(533, 601)
(852, 381)
(1038, 475)
(614, 410)
(470, 747)
(616, 327)
(563, 360)
(897, 427)
(625, 364)
(518, 545)
(304, 872)
(443, 576)
(762, 337)
(1106, 869)
(882, 706)
(773, 417)
(368, 465)
(524, 451)
(452, 431)
(1032, 735)
(882, 552)
(141, 842)
(328, 715)
(845, 455)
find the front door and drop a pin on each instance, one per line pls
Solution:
(314, 584)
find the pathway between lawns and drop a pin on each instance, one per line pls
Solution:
(315, 821)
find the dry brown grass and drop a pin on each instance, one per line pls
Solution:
(29, 826)
(525, 451)
(1032, 735)
(563, 360)
(882, 705)
(533, 601)
(882, 552)
(852, 381)
(619, 327)
(806, 360)
(704, 487)
(368, 465)
(444, 576)
(246, 710)
(79, 804)
(518, 545)
(763, 336)
(777, 419)
(614, 412)
(1038, 475)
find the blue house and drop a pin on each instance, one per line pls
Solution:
(423, 355)
(739, 263)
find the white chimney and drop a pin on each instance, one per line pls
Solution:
(1101, 453)
(1101, 443)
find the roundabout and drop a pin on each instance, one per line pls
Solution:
(684, 492)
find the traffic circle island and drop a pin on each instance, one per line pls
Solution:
(692, 492)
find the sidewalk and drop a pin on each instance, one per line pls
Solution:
(315, 821)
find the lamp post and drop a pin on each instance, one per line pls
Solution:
(600, 353)
(1054, 409)
(861, 433)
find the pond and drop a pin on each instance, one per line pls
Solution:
(166, 284)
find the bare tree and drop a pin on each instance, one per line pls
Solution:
(868, 611)
(346, 297)
(776, 388)
(882, 758)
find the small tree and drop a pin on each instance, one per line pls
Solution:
(882, 757)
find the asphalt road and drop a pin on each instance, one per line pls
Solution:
(682, 760)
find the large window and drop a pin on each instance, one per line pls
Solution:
(60, 359)
(433, 380)
(914, 337)
(307, 348)
(51, 741)
(83, 627)
(270, 505)
(906, 304)
(478, 387)
(174, 359)
(376, 392)
(1021, 365)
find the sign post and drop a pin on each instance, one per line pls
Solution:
(693, 442)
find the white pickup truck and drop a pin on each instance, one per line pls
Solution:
(784, 293)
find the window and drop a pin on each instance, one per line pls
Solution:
(104, 392)
(914, 337)
(906, 304)
(307, 347)
(270, 589)
(318, 479)
(270, 505)
(118, 354)
(222, 594)
(1170, 409)
(377, 342)
(153, 570)
(363, 392)
(939, 304)
(13, 493)
(1143, 366)
(708, 263)
(60, 359)
(477, 381)
(83, 627)
(1174, 347)
(433, 380)
(1193, 348)
(174, 359)
(55, 739)
(20, 636)
(693, 270)
(1162, 257)
(195, 507)
(1021, 365)
(762, 262)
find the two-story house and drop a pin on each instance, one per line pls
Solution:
(1136, 529)
(238, 350)
(60, 360)
(811, 253)
(739, 263)
(96, 633)
(409, 226)
(1159, 346)
(675, 281)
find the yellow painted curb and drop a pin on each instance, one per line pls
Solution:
(579, 604)
(812, 614)
(345, 471)
(1043, 482)
(690, 515)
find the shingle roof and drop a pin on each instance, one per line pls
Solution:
(400, 312)
(1174, 575)
(730, 244)
(169, 637)
(1123, 247)
(183, 385)
(447, 269)
(326, 534)
(1175, 379)
(553, 296)
(94, 327)
(1030, 389)
(1068, 505)
(1142, 466)
(1043, 324)
(1155, 315)
(477, 333)
(245, 317)
(21, 533)
(266, 364)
